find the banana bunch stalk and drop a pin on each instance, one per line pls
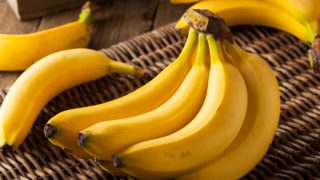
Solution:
(300, 18)
(18, 52)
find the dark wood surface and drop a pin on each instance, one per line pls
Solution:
(117, 20)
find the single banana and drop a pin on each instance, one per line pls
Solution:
(63, 129)
(260, 123)
(204, 138)
(18, 52)
(104, 139)
(44, 80)
(256, 12)
(300, 9)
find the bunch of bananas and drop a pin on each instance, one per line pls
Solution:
(300, 18)
(212, 113)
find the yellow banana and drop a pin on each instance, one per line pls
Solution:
(259, 125)
(104, 139)
(44, 80)
(63, 129)
(204, 138)
(300, 9)
(256, 12)
(18, 52)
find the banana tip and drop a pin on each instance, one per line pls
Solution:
(139, 72)
(49, 131)
(116, 161)
(82, 139)
(6, 148)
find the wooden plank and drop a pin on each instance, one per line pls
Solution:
(168, 13)
(9, 24)
(138, 18)
(28, 9)
(118, 20)
(58, 19)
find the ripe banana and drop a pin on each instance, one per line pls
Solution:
(104, 139)
(259, 125)
(63, 129)
(256, 12)
(18, 52)
(204, 138)
(45, 79)
(300, 9)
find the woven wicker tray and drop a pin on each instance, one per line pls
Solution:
(294, 153)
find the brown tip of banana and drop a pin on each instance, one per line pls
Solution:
(139, 72)
(6, 149)
(82, 139)
(116, 161)
(49, 131)
(314, 53)
(207, 22)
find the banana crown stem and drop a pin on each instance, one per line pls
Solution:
(207, 22)
(201, 51)
(215, 49)
(314, 54)
(85, 13)
(189, 45)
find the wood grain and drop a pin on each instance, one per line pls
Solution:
(168, 12)
(29, 9)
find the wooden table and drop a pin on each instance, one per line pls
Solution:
(118, 20)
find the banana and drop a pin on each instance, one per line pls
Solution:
(44, 80)
(259, 125)
(63, 129)
(204, 138)
(257, 12)
(300, 9)
(18, 52)
(104, 139)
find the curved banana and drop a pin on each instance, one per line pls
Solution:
(204, 138)
(300, 9)
(260, 123)
(104, 139)
(18, 52)
(44, 80)
(256, 12)
(63, 129)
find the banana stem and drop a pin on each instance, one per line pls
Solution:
(119, 67)
(49, 131)
(85, 14)
(6, 149)
(314, 54)
(207, 22)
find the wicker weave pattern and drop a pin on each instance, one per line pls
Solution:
(294, 153)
